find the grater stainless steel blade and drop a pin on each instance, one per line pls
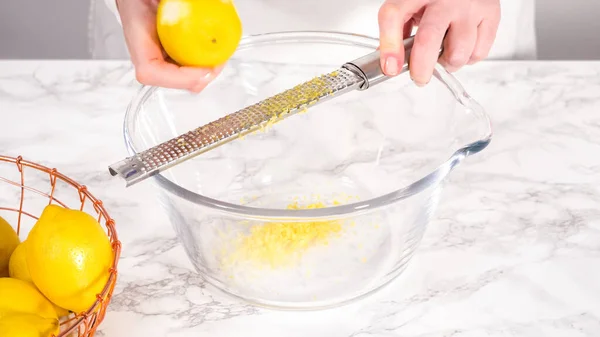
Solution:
(359, 74)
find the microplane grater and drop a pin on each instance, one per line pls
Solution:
(359, 74)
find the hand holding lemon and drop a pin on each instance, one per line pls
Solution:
(180, 44)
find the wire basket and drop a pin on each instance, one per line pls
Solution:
(26, 188)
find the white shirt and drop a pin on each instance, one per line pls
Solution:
(515, 38)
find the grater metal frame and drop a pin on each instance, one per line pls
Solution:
(359, 74)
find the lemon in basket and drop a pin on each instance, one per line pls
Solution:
(28, 325)
(17, 296)
(198, 33)
(17, 268)
(17, 265)
(69, 256)
(9, 240)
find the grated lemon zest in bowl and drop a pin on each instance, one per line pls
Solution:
(279, 244)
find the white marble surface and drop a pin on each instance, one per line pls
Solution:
(514, 249)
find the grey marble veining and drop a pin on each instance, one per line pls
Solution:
(514, 249)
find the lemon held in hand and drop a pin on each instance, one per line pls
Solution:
(28, 325)
(9, 240)
(69, 256)
(201, 33)
(17, 268)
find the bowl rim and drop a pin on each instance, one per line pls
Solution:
(351, 209)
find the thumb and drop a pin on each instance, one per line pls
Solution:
(395, 24)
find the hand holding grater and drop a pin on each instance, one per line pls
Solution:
(359, 74)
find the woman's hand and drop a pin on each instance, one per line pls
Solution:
(152, 66)
(471, 27)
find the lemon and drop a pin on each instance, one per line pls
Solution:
(17, 268)
(28, 325)
(202, 33)
(9, 240)
(69, 257)
(17, 296)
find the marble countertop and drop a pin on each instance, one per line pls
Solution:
(514, 249)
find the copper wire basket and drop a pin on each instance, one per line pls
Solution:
(35, 186)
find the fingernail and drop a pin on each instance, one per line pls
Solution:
(196, 89)
(419, 83)
(391, 66)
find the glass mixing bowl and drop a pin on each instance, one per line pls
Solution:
(326, 206)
